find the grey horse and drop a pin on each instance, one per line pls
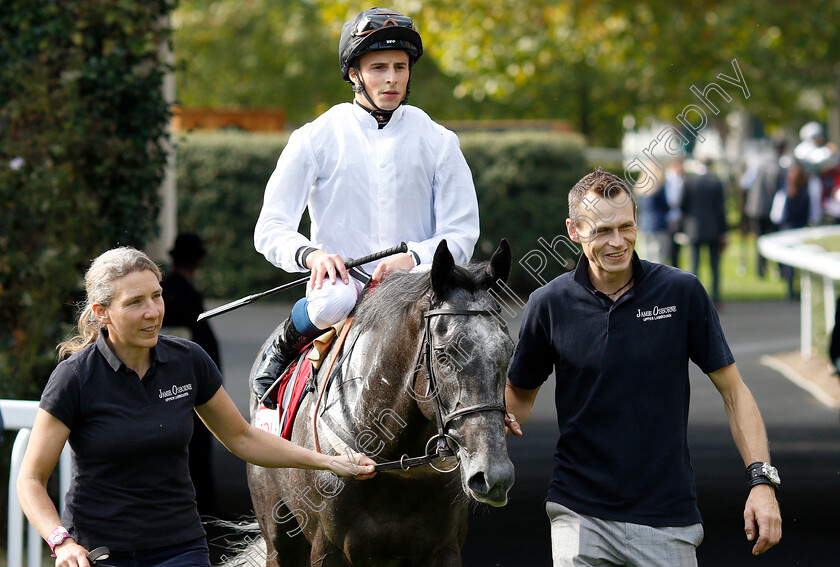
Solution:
(422, 370)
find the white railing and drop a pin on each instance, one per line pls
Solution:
(19, 415)
(791, 247)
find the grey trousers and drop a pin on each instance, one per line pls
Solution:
(584, 541)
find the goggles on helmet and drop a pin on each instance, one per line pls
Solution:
(372, 22)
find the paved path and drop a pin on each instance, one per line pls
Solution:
(805, 443)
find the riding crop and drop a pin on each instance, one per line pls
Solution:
(349, 263)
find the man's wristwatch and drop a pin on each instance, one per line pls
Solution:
(57, 537)
(763, 473)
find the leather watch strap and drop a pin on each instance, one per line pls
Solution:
(762, 473)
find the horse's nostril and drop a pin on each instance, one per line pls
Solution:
(478, 483)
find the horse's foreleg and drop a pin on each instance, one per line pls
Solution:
(449, 556)
(285, 545)
(325, 554)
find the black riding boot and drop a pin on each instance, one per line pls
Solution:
(286, 343)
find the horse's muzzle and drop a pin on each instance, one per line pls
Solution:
(490, 484)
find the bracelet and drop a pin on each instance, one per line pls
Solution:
(762, 473)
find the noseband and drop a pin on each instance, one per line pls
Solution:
(442, 448)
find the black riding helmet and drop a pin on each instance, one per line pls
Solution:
(377, 29)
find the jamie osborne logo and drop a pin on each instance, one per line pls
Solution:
(175, 392)
(656, 313)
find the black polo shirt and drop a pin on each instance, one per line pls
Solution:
(622, 392)
(131, 487)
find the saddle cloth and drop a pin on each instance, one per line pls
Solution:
(291, 388)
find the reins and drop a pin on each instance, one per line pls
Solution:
(442, 448)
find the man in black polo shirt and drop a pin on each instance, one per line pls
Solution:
(618, 333)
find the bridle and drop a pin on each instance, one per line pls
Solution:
(442, 449)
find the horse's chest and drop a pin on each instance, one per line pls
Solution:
(397, 521)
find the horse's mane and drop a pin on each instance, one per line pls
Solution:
(401, 291)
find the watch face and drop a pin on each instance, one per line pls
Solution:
(771, 473)
(58, 537)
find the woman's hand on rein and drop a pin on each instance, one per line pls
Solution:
(357, 465)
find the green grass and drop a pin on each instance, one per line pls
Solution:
(739, 279)
(828, 243)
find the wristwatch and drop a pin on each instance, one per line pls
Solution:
(763, 473)
(57, 537)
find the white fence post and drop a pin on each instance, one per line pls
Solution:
(15, 516)
(830, 303)
(806, 333)
(20, 415)
(796, 248)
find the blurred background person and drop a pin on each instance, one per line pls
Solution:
(813, 151)
(766, 179)
(674, 186)
(653, 222)
(834, 343)
(820, 159)
(802, 190)
(704, 219)
(184, 303)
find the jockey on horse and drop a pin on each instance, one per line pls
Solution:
(372, 173)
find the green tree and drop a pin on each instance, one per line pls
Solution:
(590, 63)
(260, 53)
(279, 54)
(81, 118)
(606, 59)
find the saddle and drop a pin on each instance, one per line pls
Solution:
(297, 380)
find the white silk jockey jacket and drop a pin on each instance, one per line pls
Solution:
(369, 189)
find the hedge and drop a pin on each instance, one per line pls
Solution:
(221, 178)
(522, 181)
(82, 118)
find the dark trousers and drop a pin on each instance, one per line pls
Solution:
(761, 227)
(714, 262)
(675, 253)
(190, 554)
(788, 273)
(674, 248)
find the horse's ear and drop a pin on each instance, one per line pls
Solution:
(499, 267)
(442, 266)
